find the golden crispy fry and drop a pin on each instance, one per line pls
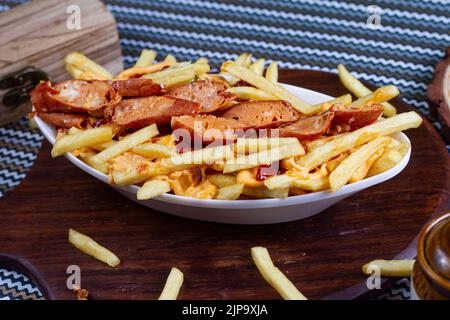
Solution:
(274, 276)
(153, 150)
(170, 58)
(263, 192)
(92, 248)
(264, 84)
(104, 145)
(84, 138)
(153, 188)
(346, 99)
(289, 181)
(248, 60)
(84, 64)
(241, 59)
(173, 285)
(345, 170)
(378, 96)
(202, 60)
(73, 71)
(358, 137)
(203, 156)
(141, 70)
(230, 192)
(360, 90)
(222, 180)
(251, 93)
(389, 268)
(388, 159)
(126, 144)
(252, 145)
(362, 171)
(173, 76)
(265, 157)
(86, 156)
(272, 72)
(146, 58)
(258, 66)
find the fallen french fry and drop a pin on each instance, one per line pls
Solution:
(173, 285)
(274, 276)
(389, 268)
(360, 90)
(92, 248)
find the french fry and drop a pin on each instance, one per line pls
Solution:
(274, 276)
(170, 58)
(287, 181)
(146, 58)
(252, 145)
(201, 68)
(248, 60)
(389, 268)
(279, 181)
(104, 145)
(173, 76)
(362, 171)
(251, 93)
(86, 156)
(173, 285)
(141, 70)
(202, 60)
(92, 248)
(360, 90)
(73, 71)
(230, 192)
(153, 188)
(203, 156)
(84, 64)
(378, 96)
(221, 180)
(128, 168)
(153, 150)
(345, 142)
(346, 99)
(84, 138)
(126, 144)
(264, 157)
(266, 85)
(241, 59)
(263, 192)
(272, 72)
(258, 66)
(248, 178)
(345, 170)
(388, 159)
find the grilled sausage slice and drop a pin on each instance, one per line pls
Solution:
(139, 87)
(308, 128)
(210, 94)
(64, 120)
(263, 114)
(354, 118)
(139, 112)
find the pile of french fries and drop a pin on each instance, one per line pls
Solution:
(149, 159)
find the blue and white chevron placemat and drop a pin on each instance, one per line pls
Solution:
(408, 38)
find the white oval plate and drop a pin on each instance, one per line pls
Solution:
(263, 211)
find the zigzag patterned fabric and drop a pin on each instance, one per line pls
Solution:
(310, 34)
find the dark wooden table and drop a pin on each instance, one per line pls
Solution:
(322, 255)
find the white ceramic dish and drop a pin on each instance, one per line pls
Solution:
(264, 211)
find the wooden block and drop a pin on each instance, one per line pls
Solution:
(40, 33)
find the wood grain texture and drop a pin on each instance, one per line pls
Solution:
(36, 33)
(322, 255)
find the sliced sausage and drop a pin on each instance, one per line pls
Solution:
(74, 96)
(139, 87)
(263, 114)
(308, 128)
(355, 118)
(209, 127)
(64, 120)
(210, 94)
(140, 112)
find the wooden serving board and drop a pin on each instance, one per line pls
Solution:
(322, 255)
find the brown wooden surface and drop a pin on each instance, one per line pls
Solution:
(322, 255)
(36, 34)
